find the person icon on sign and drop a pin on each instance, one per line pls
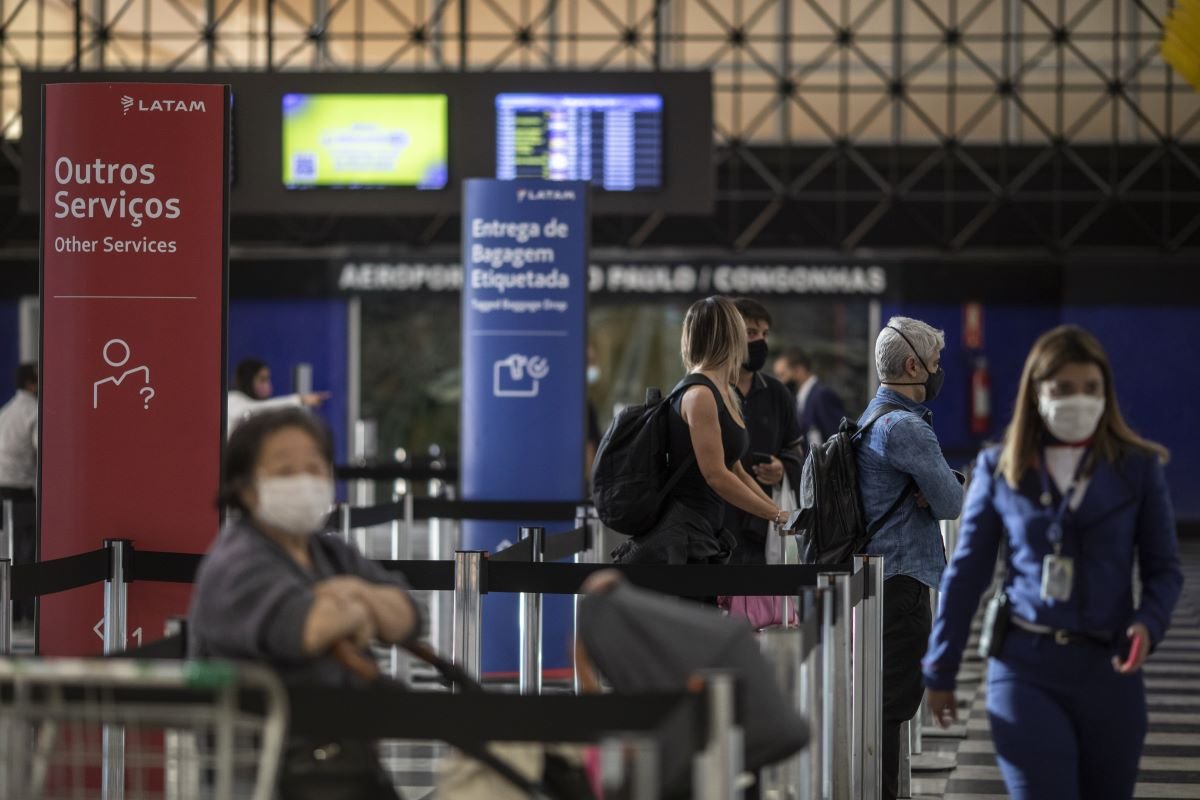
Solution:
(112, 357)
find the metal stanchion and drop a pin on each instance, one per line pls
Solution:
(6, 612)
(182, 760)
(115, 625)
(789, 601)
(8, 533)
(922, 761)
(530, 675)
(904, 785)
(716, 771)
(401, 550)
(468, 580)
(366, 445)
(868, 682)
(645, 776)
(443, 541)
(115, 597)
(835, 640)
(783, 648)
(812, 600)
(629, 768)
(585, 517)
(928, 727)
(344, 521)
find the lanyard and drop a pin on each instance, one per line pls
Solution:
(1055, 532)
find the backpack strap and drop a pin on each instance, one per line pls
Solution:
(882, 411)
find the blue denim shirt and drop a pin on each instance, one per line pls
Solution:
(901, 447)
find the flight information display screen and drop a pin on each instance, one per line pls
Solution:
(365, 140)
(612, 140)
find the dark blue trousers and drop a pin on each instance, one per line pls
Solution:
(1066, 726)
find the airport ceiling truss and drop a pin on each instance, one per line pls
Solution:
(844, 124)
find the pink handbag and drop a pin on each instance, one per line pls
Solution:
(761, 612)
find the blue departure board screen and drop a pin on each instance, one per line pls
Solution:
(613, 141)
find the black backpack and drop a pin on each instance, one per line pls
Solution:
(629, 474)
(832, 525)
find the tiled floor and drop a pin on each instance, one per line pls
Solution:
(1170, 766)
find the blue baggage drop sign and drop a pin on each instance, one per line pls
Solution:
(524, 359)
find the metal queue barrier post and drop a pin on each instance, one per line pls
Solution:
(7, 533)
(867, 721)
(586, 518)
(530, 615)
(784, 648)
(343, 510)
(812, 690)
(837, 710)
(922, 725)
(904, 785)
(116, 601)
(6, 613)
(401, 550)
(629, 768)
(366, 445)
(181, 768)
(717, 771)
(443, 541)
(468, 583)
(928, 727)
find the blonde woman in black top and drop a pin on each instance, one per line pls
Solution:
(708, 439)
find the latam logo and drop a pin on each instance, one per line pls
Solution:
(544, 194)
(128, 103)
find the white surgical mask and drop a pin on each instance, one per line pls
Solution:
(296, 504)
(1073, 418)
(593, 374)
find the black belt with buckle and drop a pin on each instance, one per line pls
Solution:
(1060, 635)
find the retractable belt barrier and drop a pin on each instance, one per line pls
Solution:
(499, 574)
(831, 662)
(443, 508)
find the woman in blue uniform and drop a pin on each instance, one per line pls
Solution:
(1073, 499)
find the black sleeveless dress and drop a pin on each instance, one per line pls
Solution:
(689, 531)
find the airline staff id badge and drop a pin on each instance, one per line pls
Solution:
(1058, 577)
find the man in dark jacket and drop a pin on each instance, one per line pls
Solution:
(818, 407)
(775, 438)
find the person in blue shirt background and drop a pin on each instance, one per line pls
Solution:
(1078, 498)
(906, 487)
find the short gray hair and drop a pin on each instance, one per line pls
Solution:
(891, 351)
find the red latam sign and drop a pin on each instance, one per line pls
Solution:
(134, 265)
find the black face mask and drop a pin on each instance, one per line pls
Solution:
(757, 355)
(934, 380)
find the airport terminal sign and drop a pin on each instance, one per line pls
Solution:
(524, 312)
(134, 257)
(641, 276)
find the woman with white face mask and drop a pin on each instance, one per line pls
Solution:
(1073, 500)
(272, 589)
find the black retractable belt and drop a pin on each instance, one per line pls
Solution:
(59, 575)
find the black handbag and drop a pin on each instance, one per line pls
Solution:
(334, 770)
(997, 617)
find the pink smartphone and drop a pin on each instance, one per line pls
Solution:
(1135, 644)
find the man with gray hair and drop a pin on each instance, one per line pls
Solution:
(905, 481)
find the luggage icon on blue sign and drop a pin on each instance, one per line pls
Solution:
(519, 375)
